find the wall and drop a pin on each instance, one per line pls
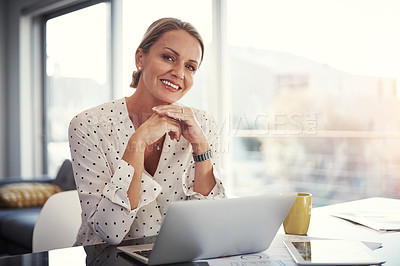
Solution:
(11, 16)
(13, 105)
(3, 86)
(17, 130)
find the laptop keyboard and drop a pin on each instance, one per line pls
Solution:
(144, 253)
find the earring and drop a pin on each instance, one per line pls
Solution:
(140, 68)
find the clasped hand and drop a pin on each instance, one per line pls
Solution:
(174, 120)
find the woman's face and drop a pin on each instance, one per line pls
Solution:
(170, 66)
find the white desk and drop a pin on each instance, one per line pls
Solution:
(323, 225)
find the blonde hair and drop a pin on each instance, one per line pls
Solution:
(156, 30)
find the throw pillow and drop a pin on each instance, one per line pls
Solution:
(20, 195)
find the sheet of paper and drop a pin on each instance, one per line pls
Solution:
(257, 259)
(378, 220)
(381, 214)
(276, 254)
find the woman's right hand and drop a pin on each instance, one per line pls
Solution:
(153, 129)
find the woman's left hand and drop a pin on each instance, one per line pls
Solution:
(190, 127)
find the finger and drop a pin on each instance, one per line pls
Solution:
(175, 116)
(163, 109)
(172, 112)
(171, 119)
(174, 129)
(175, 133)
(172, 135)
(169, 106)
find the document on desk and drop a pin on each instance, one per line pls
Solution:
(381, 214)
(256, 259)
(381, 221)
(276, 255)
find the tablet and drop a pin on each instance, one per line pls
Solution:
(331, 252)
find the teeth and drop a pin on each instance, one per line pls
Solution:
(170, 84)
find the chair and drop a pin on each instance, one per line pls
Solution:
(58, 222)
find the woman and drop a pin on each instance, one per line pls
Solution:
(133, 156)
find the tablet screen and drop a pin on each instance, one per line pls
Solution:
(331, 252)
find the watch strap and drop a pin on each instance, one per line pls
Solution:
(202, 157)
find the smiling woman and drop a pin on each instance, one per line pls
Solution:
(134, 155)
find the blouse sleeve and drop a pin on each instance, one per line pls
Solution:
(103, 193)
(210, 129)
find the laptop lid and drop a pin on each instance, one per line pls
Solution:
(202, 229)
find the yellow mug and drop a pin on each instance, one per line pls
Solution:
(298, 219)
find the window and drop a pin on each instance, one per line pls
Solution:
(77, 73)
(315, 97)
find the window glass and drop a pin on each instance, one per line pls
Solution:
(137, 17)
(77, 74)
(315, 97)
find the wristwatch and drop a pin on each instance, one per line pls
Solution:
(202, 157)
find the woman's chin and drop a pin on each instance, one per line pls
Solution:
(171, 100)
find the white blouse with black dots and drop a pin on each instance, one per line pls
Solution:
(98, 138)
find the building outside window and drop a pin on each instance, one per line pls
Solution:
(315, 98)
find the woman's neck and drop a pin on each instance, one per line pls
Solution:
(140, 107)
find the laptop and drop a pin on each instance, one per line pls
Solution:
(204, 229)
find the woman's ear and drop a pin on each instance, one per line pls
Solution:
(139, 58)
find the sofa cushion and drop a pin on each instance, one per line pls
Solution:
(17, 226)
(21, 195)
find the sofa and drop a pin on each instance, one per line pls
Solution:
(19, 212)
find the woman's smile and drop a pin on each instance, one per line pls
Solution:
(169, 85)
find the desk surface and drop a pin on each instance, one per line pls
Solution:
(322, 225)
(325, 225)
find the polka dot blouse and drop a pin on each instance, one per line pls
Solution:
(98, 138)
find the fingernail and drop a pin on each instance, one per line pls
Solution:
(154, 108)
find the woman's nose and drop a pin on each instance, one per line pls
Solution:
(178, 72)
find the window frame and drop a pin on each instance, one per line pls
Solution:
(44, 19)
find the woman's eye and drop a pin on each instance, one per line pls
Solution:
(191, 68)
(169, 58)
